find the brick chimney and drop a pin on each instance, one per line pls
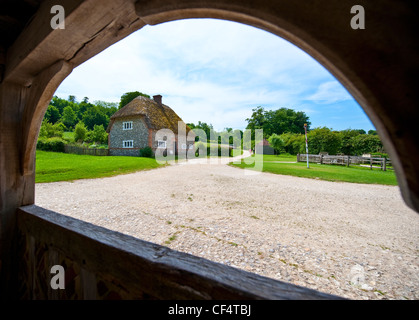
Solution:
(157, 98)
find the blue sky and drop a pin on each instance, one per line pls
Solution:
(216, 71)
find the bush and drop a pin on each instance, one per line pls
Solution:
(200, 146)
(146, 152)
(366, 143)
(55, 144)
(80, 132)
(276, 142)
(49, 130)
(219, 151)
(99, 134)
(293, 143)
(324, 140)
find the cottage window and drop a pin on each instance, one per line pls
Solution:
(127, 143)
(184, 146)
(161, 144)
(127, 125)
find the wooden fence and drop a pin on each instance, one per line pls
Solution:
(87, 151)
(372, 162)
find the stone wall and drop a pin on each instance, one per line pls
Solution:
(138, 133)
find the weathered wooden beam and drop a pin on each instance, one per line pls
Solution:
(41, 92)
(15, 190)
(144, 269)
(90, 27)
(2, 62)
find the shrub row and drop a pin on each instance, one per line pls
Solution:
(146, 152)
(220, 151)
(55, 144)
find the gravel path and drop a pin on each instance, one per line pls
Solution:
(352, 240)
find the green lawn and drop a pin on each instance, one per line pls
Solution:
(68, 136)
(53, 166)
(355, 174)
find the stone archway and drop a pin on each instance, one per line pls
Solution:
(378, 65)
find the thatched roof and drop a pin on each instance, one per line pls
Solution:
(157, 116)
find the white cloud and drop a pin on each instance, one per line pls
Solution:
(209, 70)
(330, 92)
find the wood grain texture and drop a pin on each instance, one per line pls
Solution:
(144, 268)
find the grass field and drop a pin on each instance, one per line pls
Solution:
(53, 166)
(355, 174)
(69, 136)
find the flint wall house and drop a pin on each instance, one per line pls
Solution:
(134, 127)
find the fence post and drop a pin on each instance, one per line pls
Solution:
(371, 163)
(384, 164)
(321, 159)
(298, 157)
(348, 162)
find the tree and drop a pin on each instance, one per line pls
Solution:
(293, 142)
(276, 142)
(346, 138)
(288, 120)
(69, 117)
(366, 143)
(108, 108)
(80, 132)
(49, 130)
(83, 107)
(99, 135)
(129, 96)
(191, 125)
(52, 114)
(208, 128)
(59, 103)
(278, 121)
(93, 116)
(323, 140)
(257, 120)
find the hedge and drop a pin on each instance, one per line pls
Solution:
(51, 144)
(217, 152)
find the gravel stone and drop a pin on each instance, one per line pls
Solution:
(353, 240)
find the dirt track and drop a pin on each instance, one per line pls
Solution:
(356, 241)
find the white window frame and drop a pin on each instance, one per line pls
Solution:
(127, 144)
(184, 146)
(127, 125)
(161, 142)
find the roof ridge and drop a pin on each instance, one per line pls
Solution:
(157, 116)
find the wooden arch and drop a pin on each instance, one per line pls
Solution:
(378, 65)
(375, 64)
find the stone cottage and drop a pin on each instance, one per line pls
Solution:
(134, 127)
